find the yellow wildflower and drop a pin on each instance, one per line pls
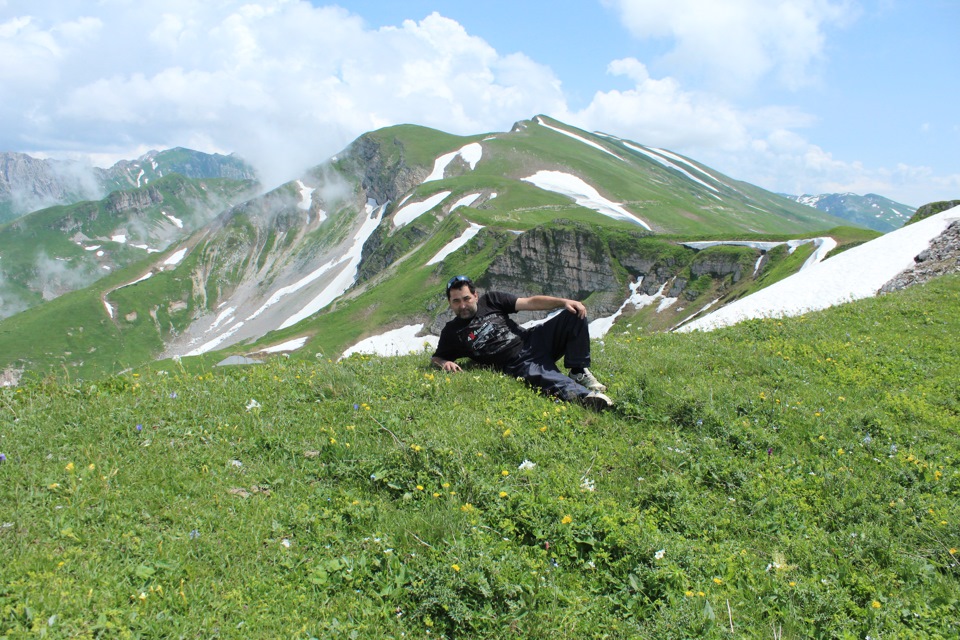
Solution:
(566, 520)
(875, 604)
(455, 567)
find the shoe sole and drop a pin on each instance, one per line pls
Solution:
(596, 403)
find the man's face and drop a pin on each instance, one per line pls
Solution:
(463, 303)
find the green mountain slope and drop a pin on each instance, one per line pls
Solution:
(790, 478)
(347, 250)
(65, 248)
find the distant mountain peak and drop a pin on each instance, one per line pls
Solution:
(871, 211)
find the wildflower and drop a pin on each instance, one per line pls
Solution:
(356, 407)
(875, 604)
(236, 463)
(566, 520)
(718, 581)
(526, 465)
(91, 467)
(953, 552)
(3, 458)
(455, 567)
(253, 404)
(503, 494)
(143, 596)
(792, 583)
(659, 554)
(504, 473)
(467, 508)
(139, 428)
(436, 495)
(69, 467)
(588, 485)
(840, 451)
(689, 594)
(416, 447)
(285, 542)
(419, 487)
(506, 433)
(194, 534)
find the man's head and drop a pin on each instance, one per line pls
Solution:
(462, 296)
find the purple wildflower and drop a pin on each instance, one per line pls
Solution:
(139, 428)
(3, 458)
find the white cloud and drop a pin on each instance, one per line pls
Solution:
(735, 43)
(281, 82)
(287, 84)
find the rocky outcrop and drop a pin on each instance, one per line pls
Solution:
(941, 257)
(932, 209)
(383, 173)
(565, 262)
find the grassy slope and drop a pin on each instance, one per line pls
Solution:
(795, 478)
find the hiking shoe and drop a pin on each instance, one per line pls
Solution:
(596, 401)
(588, 380)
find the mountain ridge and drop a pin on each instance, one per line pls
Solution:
(30, 184)
(345, 249)
(871, 210)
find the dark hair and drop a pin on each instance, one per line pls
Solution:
(459, 281)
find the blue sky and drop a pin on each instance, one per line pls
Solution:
(797, 96)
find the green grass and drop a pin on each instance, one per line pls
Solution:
(790, 478)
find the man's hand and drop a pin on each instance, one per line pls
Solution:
(447, 365)
(576, 307)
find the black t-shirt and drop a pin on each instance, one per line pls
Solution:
(489, 337)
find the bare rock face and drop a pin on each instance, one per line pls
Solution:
(941, 257)
(568, 263)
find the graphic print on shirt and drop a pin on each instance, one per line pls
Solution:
(490, 338)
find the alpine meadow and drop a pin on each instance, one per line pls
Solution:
(787, 476)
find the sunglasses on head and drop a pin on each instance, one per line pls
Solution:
(457, 280)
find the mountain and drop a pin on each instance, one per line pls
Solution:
(871, 211)
(28, 184)
(362, 243)
(64, 248)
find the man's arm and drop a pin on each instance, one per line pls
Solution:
(546, 303)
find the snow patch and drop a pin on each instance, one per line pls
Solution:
(414, 210)
(668, 164)
(119, 238)
(465, 201)
(398, 342)
(176, 258)
(306, 196)
(176, 221)
(290, 345)
(856, 273)
(452, 246)
(348, 274)
(471, 154)
(583, 194)
(580, 138)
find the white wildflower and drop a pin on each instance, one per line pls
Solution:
(659, 554)
(253, 404)
(588, 485)
(526, 465)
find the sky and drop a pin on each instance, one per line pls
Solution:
(795, 96)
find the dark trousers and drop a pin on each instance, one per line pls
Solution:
(562, 335)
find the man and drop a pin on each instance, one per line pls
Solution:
(484, 332)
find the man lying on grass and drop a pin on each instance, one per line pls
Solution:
(484, 332)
